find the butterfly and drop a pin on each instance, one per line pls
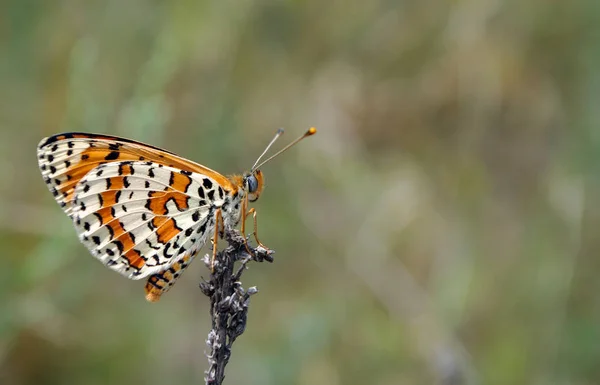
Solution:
(143, 211)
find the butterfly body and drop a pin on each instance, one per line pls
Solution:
(143, 211)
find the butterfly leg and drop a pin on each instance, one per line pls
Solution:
(255, 232)
(218, 225)
(243, 226)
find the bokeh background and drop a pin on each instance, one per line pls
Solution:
(441, 228)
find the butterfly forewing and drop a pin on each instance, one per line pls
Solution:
(65, 159)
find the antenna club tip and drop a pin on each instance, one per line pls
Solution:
(311, 131)
(280, 131)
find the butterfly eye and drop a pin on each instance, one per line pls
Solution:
(252, 183)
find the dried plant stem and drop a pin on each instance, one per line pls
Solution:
(229, 301)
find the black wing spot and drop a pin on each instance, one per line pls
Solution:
(196, 216)
(86, 226)
(85, 156)
(50, 157)
(67, 163)
(69, 152)
(221, 192)
(146, 184)
(52, 169)
(126, 182)
(70, 144)
(185, 172)
(211, 195)
(153, 247)
(112, 155)
(111, 231)
(96, 239)
(188, 232)
(117, 196)
(119, 246)
(130, 234)
(201, 192)
(99, 173)
(176, 227)
(110, 252)
(114, 146)
(207, 183)
(151, 172)
(167, 255)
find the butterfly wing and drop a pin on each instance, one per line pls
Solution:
(141, 210)
(139, 218)
(64, 159)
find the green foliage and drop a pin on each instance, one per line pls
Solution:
(442, 226)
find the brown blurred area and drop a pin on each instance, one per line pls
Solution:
(441, 227)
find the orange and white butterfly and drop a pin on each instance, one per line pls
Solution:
(143, 211)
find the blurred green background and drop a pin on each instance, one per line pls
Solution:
(441, 228)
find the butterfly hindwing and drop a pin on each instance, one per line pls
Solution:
(139, 218)
(161, 282)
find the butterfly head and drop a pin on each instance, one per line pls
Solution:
(253, 181)
(253, 184)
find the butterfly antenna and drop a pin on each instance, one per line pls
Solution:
(311, 131)
(277, 135)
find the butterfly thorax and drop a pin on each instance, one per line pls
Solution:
(247, 187)
(232, 206)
